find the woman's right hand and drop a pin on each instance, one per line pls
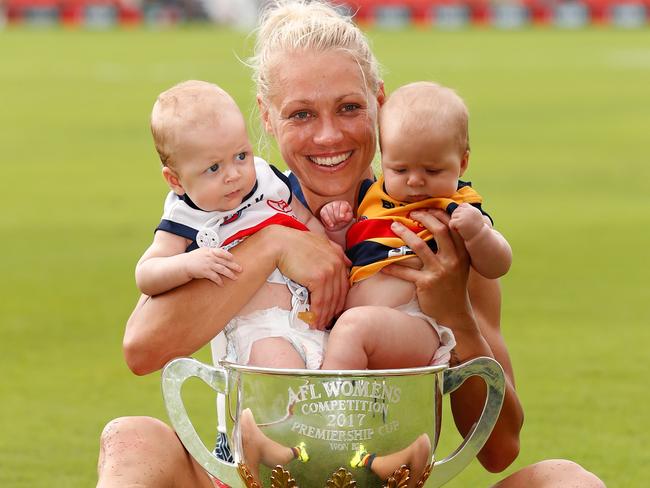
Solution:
(313, 261)
(441, 282)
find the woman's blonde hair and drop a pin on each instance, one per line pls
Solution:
(290, 25)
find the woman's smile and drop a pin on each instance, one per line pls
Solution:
(330, 161)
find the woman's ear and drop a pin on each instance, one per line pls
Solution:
(464, 163)
(172, 180)
(381, 94)
(264, 115)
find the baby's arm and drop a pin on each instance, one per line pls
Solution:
(337, 217)
(489, 251)
(166, 265)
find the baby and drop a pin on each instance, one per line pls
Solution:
(220, 194)
(423, 133)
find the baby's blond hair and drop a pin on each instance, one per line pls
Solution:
(291, 25)
(426, 105)
(183, 107)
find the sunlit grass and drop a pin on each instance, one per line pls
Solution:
(558, 120)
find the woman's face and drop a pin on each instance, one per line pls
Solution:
(324, 119)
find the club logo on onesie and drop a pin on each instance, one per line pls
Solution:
(232, 218)
(279, 205)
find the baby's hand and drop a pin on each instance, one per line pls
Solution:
(336, 215)
(467, 221)
(211, 263)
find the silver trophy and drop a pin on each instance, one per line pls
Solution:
(315, 428)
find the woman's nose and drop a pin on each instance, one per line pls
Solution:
(328, 131)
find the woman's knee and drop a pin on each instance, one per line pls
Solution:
(553, 473)
(137, 436)
(144, 451)
(568, 473)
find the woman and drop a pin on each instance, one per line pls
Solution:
(318, 93)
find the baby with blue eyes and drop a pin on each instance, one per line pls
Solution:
(221, 194)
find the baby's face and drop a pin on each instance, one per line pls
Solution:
(215, 164)
(421, 165)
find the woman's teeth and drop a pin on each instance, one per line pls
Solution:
(331, 160)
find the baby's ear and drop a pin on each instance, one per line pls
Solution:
(464, 163)
(172, 180)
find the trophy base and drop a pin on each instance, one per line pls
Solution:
(341, 478)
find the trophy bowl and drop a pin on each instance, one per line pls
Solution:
(317, 428)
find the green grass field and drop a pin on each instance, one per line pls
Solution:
(557, 122)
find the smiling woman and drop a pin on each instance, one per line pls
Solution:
(324, 121)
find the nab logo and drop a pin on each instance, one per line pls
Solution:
(279, 205)
(399, 251)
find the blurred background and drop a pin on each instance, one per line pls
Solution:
(559, 99)
(382, 13)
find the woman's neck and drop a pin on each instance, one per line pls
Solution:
(316, 201)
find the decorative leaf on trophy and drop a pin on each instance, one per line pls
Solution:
(425, 475)
(341, 479)
(281, 478)
(399, 478)
(246, 476)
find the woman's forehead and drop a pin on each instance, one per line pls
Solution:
(308, 76)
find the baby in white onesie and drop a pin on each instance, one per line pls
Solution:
(220, 194)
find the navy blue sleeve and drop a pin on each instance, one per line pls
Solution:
(177, 229)
(285, 180)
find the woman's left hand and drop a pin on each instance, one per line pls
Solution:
(441, 287)
(441, 282)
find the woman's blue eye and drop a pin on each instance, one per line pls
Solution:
(350, 107)
(241, 156)
(213, 168)
(302, 115)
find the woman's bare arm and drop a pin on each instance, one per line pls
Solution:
(502, 447)
(181, 321)
(442, 289)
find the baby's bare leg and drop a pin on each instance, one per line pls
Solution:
(271, 352)
(275, 352)
(258, 448)
(375, 337)
(415, 456)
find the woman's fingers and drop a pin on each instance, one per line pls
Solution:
(405, 273)
(417, 245)
(309, 259)
(439, 229)
(328, 293)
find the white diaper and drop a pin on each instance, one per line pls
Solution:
(243, 331)
(447, 339)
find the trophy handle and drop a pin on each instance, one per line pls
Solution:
(492, 374)
(176, 372)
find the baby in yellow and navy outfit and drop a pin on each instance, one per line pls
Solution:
(423, 132)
